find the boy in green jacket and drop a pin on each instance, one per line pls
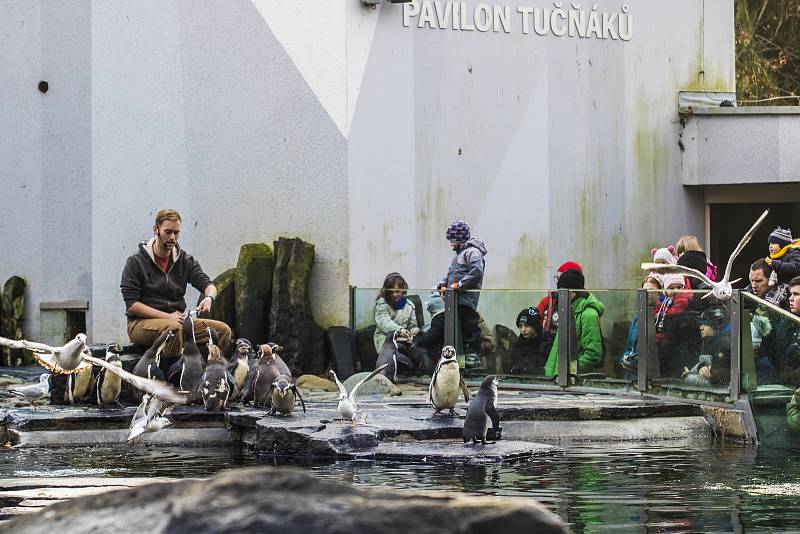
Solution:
(586, 310)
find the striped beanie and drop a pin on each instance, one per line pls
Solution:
(781, 236)
(458, 231)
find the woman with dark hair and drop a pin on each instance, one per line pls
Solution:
(393, 311)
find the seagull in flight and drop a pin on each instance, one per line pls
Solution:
(74, 356)
(722, 289)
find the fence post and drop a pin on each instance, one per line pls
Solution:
(642, 341)
(450, 318)
(736, 344)
(564, 337)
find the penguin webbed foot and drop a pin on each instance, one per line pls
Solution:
(452, 412)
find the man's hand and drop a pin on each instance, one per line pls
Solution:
(440, 288)
(705, 372)
(205, 305)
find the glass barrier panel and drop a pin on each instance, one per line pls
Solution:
(691, 339)
(604, 355)
(374, 315)
(500, 336)
(771, 367)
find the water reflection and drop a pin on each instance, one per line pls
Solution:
(626, 487)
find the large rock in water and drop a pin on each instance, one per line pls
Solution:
(11, 323)
(224, 308)
(286, 500)
(253, 291)
(291, 323)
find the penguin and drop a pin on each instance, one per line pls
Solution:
(239, 366)
(250, 380)
(190, 362)
(390, 356)
(446, 382)
(148, 364)
(78, 385)
(266, 373)
(284, 396)
(214, 382)
(109, 384)
(482, 408)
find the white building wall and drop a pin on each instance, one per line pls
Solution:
(552, 148)
(336, 123)
(21, 209)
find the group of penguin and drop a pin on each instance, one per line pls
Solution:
(258, 375)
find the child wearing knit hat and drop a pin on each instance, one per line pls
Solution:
(784, 256)
(548, 306)
(664, 255)
(530, 350)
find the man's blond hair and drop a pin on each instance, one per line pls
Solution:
(167, 214)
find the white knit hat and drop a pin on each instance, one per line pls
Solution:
(665, 254)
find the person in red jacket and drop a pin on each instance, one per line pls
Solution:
(548, 306)
(673, 326)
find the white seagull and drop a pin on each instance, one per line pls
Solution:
(74, 357)
(722, 289)
(347, 401)
(33, 391)
(150, 416)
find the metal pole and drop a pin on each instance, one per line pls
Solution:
(736, 344)
(642, 339)
(564, 349)
(450, 317)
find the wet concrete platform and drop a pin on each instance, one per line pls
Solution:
(404, 427)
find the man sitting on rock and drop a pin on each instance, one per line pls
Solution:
(154, 284)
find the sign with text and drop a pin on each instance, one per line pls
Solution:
(561, 20)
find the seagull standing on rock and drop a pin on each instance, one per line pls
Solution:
(347, 401)
(33, 391)
(722, 289)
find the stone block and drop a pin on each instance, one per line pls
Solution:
(253, 291)
(291, 323)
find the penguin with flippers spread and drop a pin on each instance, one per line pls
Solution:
(480, 411)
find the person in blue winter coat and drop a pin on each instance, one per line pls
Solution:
(465, 273)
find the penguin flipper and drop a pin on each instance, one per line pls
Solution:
(297, 394)
(174, 369)
(405, 360)
(464, 389)
(491, 411)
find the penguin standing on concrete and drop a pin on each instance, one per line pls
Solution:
(190, 364)
(214, 382)
(78, 385)
(239, 366)
(109, 384)
(390, 355)
(480, 410)
(266, 374)
(284, 396)
(148, 364)
(446, 383)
